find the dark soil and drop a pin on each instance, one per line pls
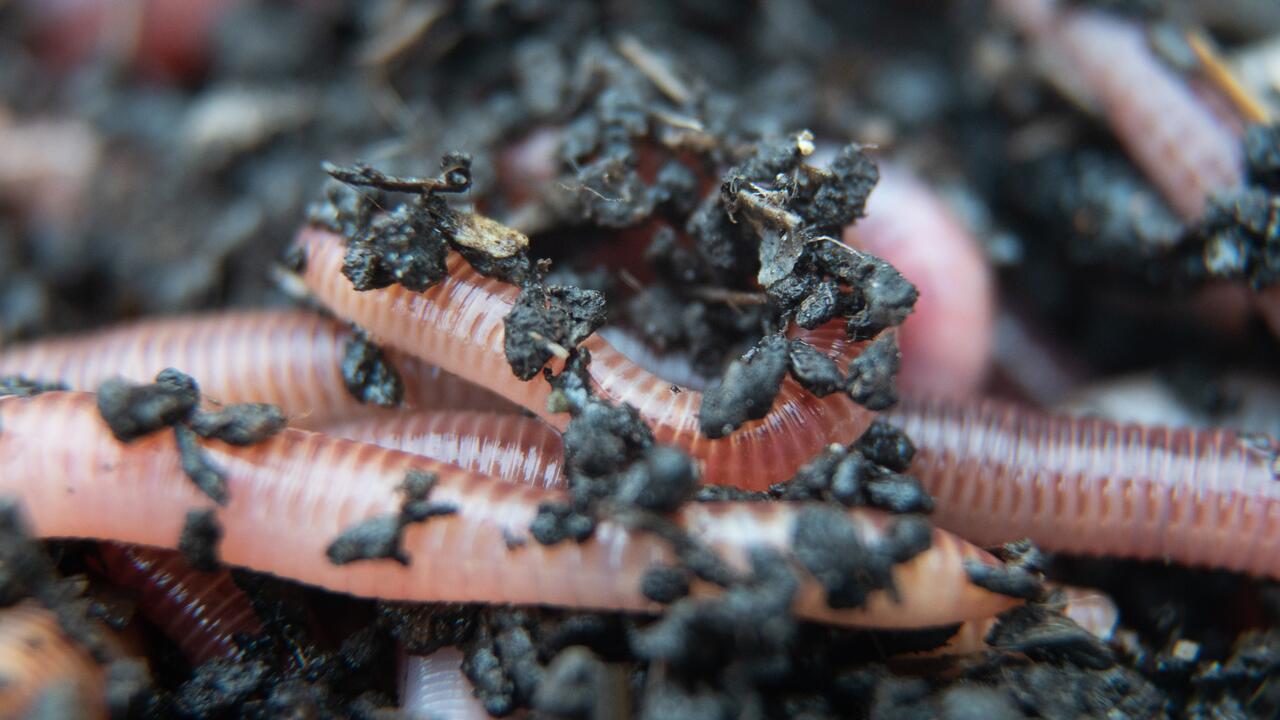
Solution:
(680, 203)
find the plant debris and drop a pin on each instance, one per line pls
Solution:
(547, 322)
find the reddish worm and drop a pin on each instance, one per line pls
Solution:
(291, 495)
(201, 612)
(1000, 473)
(290, 358)
(1005, 473)
(1186, 142)
(510, 448)
(1184, 148)
(1089, 486)
(458, 325)
(946, 341)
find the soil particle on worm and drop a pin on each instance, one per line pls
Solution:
(1007, 580)
(367, 373)
(197, 466)
(201, 533)
(829, 546)
(381, 537)
(546, 321)
(240, 424)
(747, 390)
(852, 476)
(132, 411)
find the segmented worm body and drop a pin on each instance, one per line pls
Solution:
(508, 447)
(1186, 151)
(201, 612)
(293, 494)
(1089, 486)
(458, 325)
(946, 341)
(290, 358)
(37, 660)
(433, 686)
(1090, 609)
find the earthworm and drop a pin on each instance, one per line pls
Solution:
(1186, 152)
(291, 495)
(458, 325)
(433, 686)
(37, 660)
(290, 358)
(508, 447)
(201, 612)
(1084, 485)
(946, 342)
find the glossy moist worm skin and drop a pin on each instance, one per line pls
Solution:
(511, 448)
(458, 325)
(291, 495)
(999, 472)
(201, 612)
(37, 660)
(433, 686)
(290, 358)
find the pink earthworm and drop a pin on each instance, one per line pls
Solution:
(999, 472)
(1175, 137)
(1179, 139)
(458, 325)
(293, 494)
(508, 447)
(201, 612)
(37, 660)
(290, 358)
(433, 686)
(947, 340)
